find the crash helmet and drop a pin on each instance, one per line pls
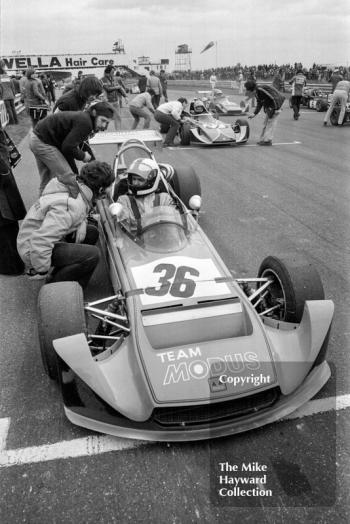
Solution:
(143, 176)
(198, 106)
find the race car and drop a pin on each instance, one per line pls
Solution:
(200, 127)
(315, 99)
(182, 350)
(218, 103)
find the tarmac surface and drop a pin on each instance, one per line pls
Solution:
(257, 201)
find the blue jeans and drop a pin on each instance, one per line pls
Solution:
(137, 113)
(75, 261)
(49, 159)
(295, 102)
(169, 122)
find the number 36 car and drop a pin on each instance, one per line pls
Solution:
(182, 350)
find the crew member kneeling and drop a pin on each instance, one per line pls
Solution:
(55, 231)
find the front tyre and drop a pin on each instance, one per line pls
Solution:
(185, 134)
(293, 281)
(244, 125)
(60, 314)
(186, 183)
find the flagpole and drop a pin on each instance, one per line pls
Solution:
(216, 53)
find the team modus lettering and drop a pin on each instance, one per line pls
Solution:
(191, 367)
(56, 62)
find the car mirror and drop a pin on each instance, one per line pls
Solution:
(116, 210)
(195, 202)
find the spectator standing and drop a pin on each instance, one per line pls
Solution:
(22, 83)
(271, 100)
(56, 141)
(34, 94)
(164, 84)
(51, 89)
(137, 108)
(122, 93)
(45, 84)
(278, 82)
(77, 98)
(142, 83)
(340, 96)
(169, 116)
(212, 80)
(112, 90)
(335, 78)
(78, 79)
(7, 94)
(11, 211)
(154, 88)
(240, 82)
(298, 83)
(15, 84)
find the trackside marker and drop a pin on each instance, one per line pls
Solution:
(97, 444)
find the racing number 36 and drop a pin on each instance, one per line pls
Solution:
(174, 281)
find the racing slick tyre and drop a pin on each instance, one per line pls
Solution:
(186, 183)
(321, 105)
(185, 134)
(60, 314)
(294, 280)
(243, 122)
(334, 116)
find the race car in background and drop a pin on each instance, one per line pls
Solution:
(315, 99)
(198, 126)
(216, 102)
(182, 350)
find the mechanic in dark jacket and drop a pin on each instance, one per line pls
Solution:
(11, 210)
(57, 140)
(77, 98)
(271, 100)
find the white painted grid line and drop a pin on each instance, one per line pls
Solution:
(97, 444)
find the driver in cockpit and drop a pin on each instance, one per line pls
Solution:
(143, 178)
(197, 107)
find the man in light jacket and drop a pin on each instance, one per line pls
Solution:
(169, 117)
(55, 230)
(154, 87)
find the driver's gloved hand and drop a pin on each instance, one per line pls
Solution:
(69, 180)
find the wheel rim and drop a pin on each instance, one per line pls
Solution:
(275, 296)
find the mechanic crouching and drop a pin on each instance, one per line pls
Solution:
(55, 233)
(169, 117)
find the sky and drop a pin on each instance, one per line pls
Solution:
(249, 32)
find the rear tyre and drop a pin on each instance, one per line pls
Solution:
(60, 314)
(186, 184)
(185, 134)
(335, 116)
(294, 281)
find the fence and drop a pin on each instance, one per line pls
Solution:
(232, 85)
